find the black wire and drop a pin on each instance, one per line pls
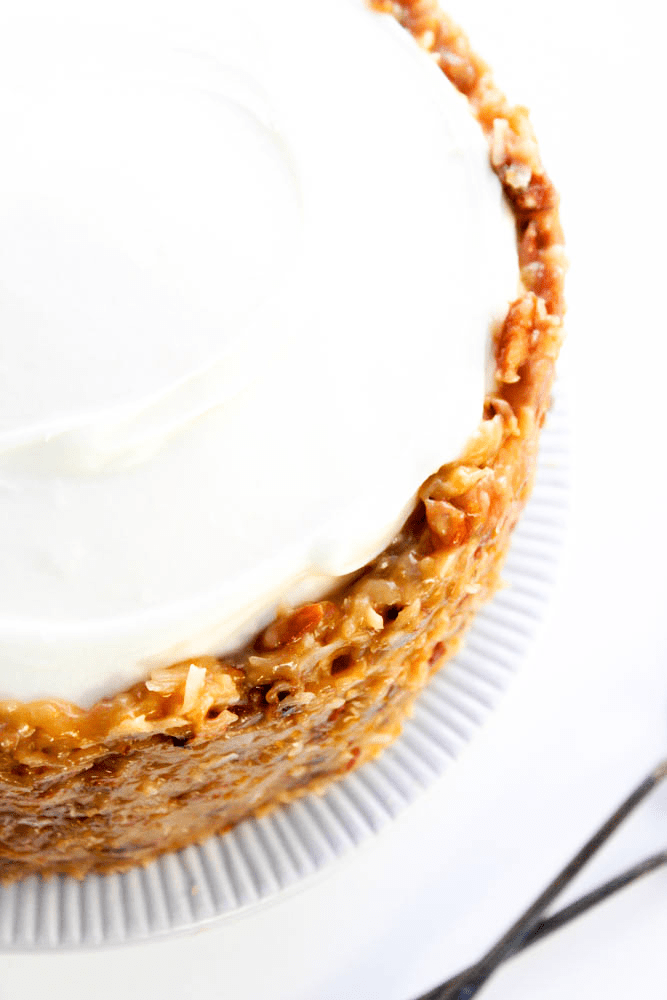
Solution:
(531, 926)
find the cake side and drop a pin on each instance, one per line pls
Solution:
(203, 744)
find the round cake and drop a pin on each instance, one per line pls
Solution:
(281, 289)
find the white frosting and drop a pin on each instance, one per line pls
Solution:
(249, 259)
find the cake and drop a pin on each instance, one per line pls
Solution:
(281, 289)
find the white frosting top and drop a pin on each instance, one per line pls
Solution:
(249, 259)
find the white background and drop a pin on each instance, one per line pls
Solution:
(588, 714)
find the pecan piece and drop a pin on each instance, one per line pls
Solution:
(449, 524)
(514, 342)
(295, 625)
